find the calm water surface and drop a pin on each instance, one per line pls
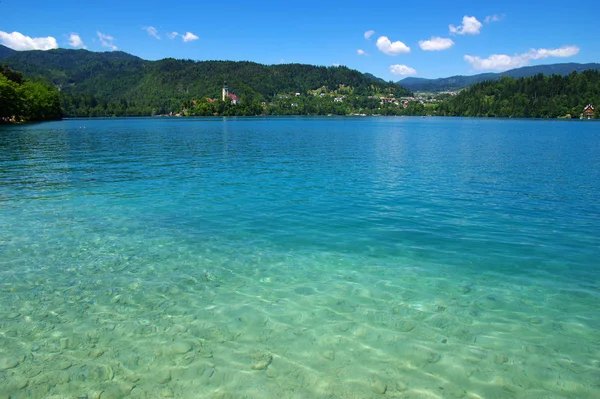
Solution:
(300, 257)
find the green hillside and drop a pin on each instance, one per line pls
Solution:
(5, 52)
(458, 82)
(117, 83)
(533, 97)
(23, 100)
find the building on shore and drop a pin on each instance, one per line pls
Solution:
(225, 92)
(234, 99)
(588, 111)
(226, 95)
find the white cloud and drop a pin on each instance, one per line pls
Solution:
(172, 35)
(493, 18)
(502, 62)
(360, 52)
(391, 48)
(436, 44)
(152, 31)
(369, 33)
(18, 41)
(106, 40)
(189, 36)
(564, 51)
(75, 41)
(470, 26)
(402, 70)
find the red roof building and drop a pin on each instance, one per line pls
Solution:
(234, 99)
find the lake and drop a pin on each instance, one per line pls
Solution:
(341, 257)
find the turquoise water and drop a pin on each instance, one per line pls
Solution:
(300, 258)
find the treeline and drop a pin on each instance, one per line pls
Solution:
(300, 105)
(538, 96)
(23, 100)
(120, 84)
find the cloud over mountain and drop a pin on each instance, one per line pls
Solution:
(75, 41)
(189, 36)
(152, 31)
(18, 41)
(388, 47)
(470, 26)
(106, 40)
(402, 70)
(436, 44)
(502, 62)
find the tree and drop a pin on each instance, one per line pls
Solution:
(10, 98)
(25, 100)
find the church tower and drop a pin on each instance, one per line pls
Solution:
(225, 91)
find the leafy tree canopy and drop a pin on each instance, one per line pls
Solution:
(534, 97)
(26, 100)
(117, 83)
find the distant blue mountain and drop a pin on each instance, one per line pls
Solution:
(373, 77)
(459, 82)
(5, 51)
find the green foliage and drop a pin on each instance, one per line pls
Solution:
(119, 84)
(303, 104)
(26, 100)
(5, 51)
(454, 83)
(534, 97)
(11, 75)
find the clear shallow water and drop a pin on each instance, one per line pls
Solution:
(300, 257)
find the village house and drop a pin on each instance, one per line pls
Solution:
(234, 99)
(588, 111)
(230, 96)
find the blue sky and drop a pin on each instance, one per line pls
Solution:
(423, 39)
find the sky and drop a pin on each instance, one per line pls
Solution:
(390, 39)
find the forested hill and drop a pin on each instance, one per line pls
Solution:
(534, 97)
(23, 100)
(117, 83)
(5, 51)
(453, 83)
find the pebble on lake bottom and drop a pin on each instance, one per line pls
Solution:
(263, 363)
(378, 386)
(10, 362)
(181, 347)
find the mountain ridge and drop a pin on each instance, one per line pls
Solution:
(118, 81)
(457, 82)
(5, 51)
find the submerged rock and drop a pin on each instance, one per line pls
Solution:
(162, 376)
(378, 386)
(181, 347)
(329, 355)
(10, 362)
(263, 363)
(117, 391)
